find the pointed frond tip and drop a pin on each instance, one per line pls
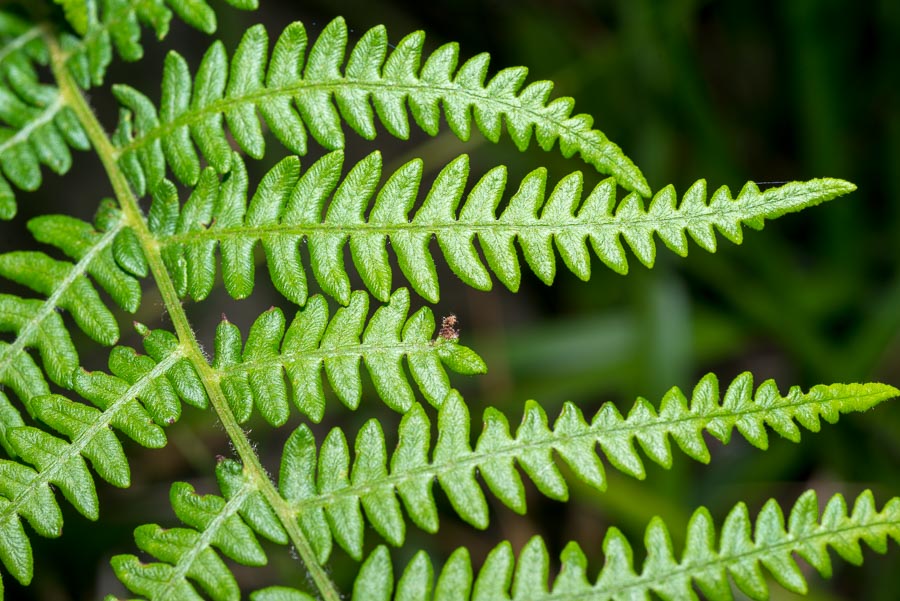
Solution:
(328, 497)
(317, 91)
(706, 563)
(319, 207)
(254, 373)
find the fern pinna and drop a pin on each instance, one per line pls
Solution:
(189, 155)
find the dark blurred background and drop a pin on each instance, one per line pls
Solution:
(726, 91)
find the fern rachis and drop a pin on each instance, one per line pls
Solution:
(324, 493)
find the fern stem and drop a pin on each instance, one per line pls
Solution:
(107, 153)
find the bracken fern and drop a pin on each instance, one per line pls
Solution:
(196, 143)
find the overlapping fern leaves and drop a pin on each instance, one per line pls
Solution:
(37, 458)
(327, 496)
(143, 394)
(229, 524)
(138, 398)
(104, 26)
(326, 493)
(63, 286)
(740, 553)
(36, 126)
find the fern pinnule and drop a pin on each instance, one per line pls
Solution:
(289, 207)
(282, 593)
(741, 552)
(256, 374)
(327, 495)
(296, 91)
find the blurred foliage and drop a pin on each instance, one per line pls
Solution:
(728, 91)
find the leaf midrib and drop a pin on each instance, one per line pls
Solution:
(791, 543)
(361, 350)
(194, 115)
(643, 222)
(79, 269)
(79, 443)
(474, 459)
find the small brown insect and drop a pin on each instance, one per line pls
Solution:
(449, 328)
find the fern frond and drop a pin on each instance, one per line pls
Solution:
(66, 286)
(330, 501)
(326, 493)
(138, 398)
(255, 375)
(740, 552)
(228, 524)
(296, 91)
(287, 208)
(36, 128)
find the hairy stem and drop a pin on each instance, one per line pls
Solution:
(106, 151)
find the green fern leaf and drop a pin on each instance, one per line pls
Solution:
(67, 470)
(255, 375)
(327, 495)
(36, 128)
(75, 419)
(116, 25)
(65, 286)
(41, 329)
(297, 92)
(138, 398)
(279, 593)
(78, 13)
(228, 524)
(287, 208)
(741, 553)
